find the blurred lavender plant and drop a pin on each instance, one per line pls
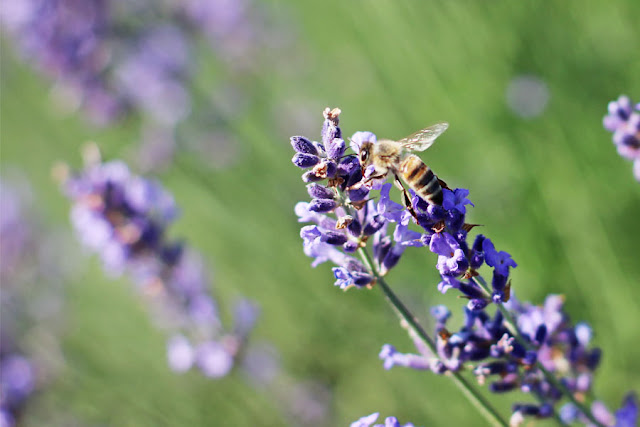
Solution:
(303, 403)
(17, 372)
(124, 218)
(30, 301)
(623, 120)
(532, 349)
(112, 58)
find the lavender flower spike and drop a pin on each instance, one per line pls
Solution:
(124, 218)
(516, 347)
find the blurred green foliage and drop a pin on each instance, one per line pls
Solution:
(550, 190)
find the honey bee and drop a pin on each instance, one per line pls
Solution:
(395, 157)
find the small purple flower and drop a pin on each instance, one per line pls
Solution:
(336, 148)
(627, 415)
(18, 379)
(452, 260)
(322, 205)
(180, 354)
(441, 313)
(305, 161)
(568, 413)
(501, 261)
(389, 209)
(320, 192)
(456, 199)
(213, 359)
(353, 274)
(476, 258)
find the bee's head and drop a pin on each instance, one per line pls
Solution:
(365, 154)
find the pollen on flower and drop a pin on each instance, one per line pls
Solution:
(332, 114)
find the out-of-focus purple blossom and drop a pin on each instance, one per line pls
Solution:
(626, 416)
(180, 354)
(124, 218)
(623, 120)
(151, 75)
(121, 216)
(304, 403)
(369, 420)
(31, 276)
(65, 39)
(112, 58)
(236, 29)
(113, 63)
(18, 380)
(213, 359)
(520, 411)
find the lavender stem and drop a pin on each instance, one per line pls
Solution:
(481, 404)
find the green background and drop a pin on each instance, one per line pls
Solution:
(550, 190)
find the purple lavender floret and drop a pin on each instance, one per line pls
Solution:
(623, 120)
(456, 200)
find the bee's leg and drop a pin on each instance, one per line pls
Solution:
(406, 198)
(443, 184)
(372, 177)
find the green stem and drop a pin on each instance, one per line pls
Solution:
(510, 323)
(481, 404)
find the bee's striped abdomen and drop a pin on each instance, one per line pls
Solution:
(421, 179)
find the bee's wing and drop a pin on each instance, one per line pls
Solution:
(424, 138)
